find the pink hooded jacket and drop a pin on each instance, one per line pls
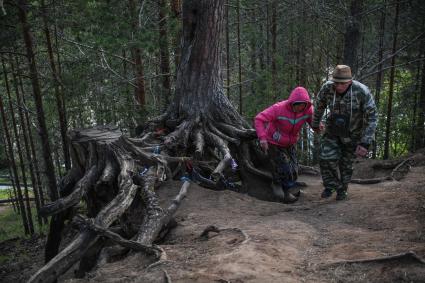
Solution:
(279, 124)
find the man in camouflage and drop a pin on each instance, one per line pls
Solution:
(350, 128)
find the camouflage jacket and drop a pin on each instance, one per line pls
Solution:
(357, 103)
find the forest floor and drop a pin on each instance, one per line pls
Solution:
(272, 242)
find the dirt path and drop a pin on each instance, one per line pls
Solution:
(273, 242)
(291, 243)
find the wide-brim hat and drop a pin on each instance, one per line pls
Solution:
(341, 74)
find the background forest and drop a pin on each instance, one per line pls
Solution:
(114, 62)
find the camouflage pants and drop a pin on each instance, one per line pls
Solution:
(284, 165)
(336, 162)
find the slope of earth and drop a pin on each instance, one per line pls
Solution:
(310, 241)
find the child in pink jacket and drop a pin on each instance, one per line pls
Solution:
(278, 129)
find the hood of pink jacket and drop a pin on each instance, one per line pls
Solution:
(299, 94)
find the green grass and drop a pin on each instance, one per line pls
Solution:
(11, 224)
(4, 193)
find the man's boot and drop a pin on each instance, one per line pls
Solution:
(341, 194)
(288, 197)
(327, 193)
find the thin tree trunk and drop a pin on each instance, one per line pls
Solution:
(254, 53)
(43, 132)
(14, 199)
(139, 92)
(32, 144)
(176, 12)
(227, 51)
(129, 115)
(391, 87)
(415, 109)
(19, 149)
(14, 167)
(26, 145)
(380, 73)
(261, 53)
(164, 54)
(238, 26)
(273, 32)
(420, 122)
(420, 135)
(60, 102)
(56, 159)
(268, 34)
(54, 237)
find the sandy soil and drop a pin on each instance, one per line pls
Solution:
(273, 242)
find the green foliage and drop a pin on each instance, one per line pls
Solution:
(90, 38)
(403, 107)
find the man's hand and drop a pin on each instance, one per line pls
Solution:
(319, 129)
(264, 145)
(361, 151)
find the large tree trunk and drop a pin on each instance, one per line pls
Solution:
(352, 34)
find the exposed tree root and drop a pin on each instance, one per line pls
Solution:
(409, 255)
(166, 276)
(88, 224)
(109, 187)
(215, 229)
(117, 176)
(400, 168)
(371, 181)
